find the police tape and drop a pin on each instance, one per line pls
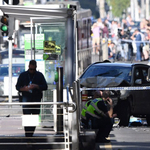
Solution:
(133, 41)
(117, 88)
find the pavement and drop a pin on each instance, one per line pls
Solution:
(12, 136)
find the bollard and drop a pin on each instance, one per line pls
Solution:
(59, 88)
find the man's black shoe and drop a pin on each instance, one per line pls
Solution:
(102, 140)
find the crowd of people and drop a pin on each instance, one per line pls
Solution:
(129, 41)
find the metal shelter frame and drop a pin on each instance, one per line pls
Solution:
(33, 14)
(30, 13)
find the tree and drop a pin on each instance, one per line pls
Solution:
(118, 6)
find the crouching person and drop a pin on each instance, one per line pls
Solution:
(84, 120)
(100, 116)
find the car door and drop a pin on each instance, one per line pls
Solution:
(141, 101)
(145, 93)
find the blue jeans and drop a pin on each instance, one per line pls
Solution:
(124, 51)
(138, 53)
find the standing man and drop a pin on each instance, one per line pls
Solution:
(138, 40)
(100, 116)
(31, 83)
(111, 51)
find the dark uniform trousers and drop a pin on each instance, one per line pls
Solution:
(104, 126)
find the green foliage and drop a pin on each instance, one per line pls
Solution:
(118, 6)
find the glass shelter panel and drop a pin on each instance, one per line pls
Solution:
(48, 49)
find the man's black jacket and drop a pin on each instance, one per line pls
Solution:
(38, 78)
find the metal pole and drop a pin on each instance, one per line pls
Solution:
(76, 117)
(142, 9)
(147, 9)
(31, 36)
(101, 8)
(59, 87)
(70, 59)
(132, 9)
(10, 64)
(34, 39)
(10, 69)
(75, 45)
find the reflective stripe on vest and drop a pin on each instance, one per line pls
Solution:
(93, 115)
(98, 110)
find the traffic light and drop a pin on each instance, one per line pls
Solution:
(4, 25)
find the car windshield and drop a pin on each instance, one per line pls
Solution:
(16, 70)
(109, 71)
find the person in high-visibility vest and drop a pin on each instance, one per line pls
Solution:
(84, 121)
(101, 118)
(83, 114)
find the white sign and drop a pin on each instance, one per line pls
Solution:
(30, 120)
(6, 86)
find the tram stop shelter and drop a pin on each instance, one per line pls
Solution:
(51, 43)
(51, 26)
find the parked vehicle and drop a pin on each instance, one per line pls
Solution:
(4, 79)
(18, 56)
(126, 102)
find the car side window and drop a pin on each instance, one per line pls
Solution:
(145, 75)
(138, 77)
(137, 74)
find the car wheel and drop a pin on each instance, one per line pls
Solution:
(148, 119)
(124, 113)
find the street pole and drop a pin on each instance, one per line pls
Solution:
(142, 9)
(147, 9)
(132, 9)
(101, 9)
(10, 69)
(59, 87)
(136, 10)
(10, 64)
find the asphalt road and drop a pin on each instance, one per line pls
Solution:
(127, 138)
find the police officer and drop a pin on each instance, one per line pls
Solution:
(84, 121)
(100, 116)
(83, 115)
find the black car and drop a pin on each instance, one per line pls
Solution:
(126, 102)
